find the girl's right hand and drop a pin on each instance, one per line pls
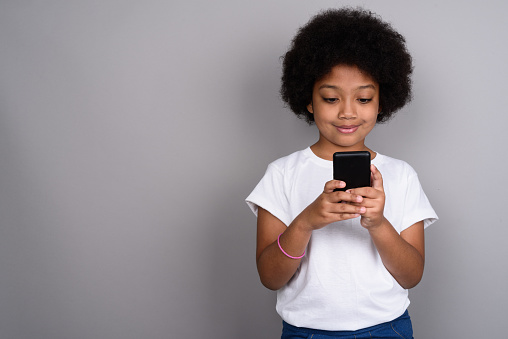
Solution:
(330, 207)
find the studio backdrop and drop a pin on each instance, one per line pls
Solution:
(132, 131)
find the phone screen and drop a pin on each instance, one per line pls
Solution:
(352, 168)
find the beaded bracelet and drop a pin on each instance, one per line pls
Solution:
(287, 255)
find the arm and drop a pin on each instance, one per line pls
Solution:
(276, 269)
(403, 255)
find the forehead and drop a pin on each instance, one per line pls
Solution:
(347, 75)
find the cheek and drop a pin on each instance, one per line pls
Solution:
(370, 121)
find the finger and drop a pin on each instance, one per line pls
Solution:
(366, 193)
(361, 191)
(347, 209)
(341, 196)
(377, 178)
(333, 184)
(346, 216)
(369, 203)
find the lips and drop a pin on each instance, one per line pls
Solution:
(347, 129)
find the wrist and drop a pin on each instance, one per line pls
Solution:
(287, 254)
(302, 226)
(376, 227)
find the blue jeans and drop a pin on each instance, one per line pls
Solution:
(400, 328)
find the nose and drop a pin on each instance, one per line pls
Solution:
(347, 110)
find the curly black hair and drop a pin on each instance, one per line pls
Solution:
(353, 37)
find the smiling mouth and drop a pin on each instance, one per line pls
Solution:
(347, 129)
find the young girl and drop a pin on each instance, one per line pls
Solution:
(342, 262)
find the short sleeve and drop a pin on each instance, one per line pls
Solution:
(270, 195)
(417, 206)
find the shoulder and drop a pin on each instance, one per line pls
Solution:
(289, 162)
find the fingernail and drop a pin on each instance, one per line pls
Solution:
(362, 209)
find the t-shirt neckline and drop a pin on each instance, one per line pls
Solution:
(329, 163)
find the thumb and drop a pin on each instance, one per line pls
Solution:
(377, 179)
(331, 185)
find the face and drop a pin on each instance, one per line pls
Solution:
(345, 105)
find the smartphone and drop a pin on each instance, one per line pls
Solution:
(353, 168)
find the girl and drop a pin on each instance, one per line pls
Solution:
(342, 262)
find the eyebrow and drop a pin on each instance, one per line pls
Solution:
(336, 87)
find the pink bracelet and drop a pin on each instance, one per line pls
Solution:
(287, 255)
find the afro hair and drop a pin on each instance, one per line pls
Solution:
(352, 37)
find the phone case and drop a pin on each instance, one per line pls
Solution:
(353, 168)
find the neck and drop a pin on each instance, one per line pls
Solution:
(326, 152)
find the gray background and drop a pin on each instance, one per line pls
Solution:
(132, 131)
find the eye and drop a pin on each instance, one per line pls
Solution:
(364, 100)
(330, 100)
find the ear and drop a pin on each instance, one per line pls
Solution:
(310, 109)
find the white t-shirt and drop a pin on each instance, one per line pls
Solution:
(341, 284)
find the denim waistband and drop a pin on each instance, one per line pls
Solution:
(342, 333)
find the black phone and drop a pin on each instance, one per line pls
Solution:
(353, 168)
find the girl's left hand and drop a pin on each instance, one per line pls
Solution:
(373, 200)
